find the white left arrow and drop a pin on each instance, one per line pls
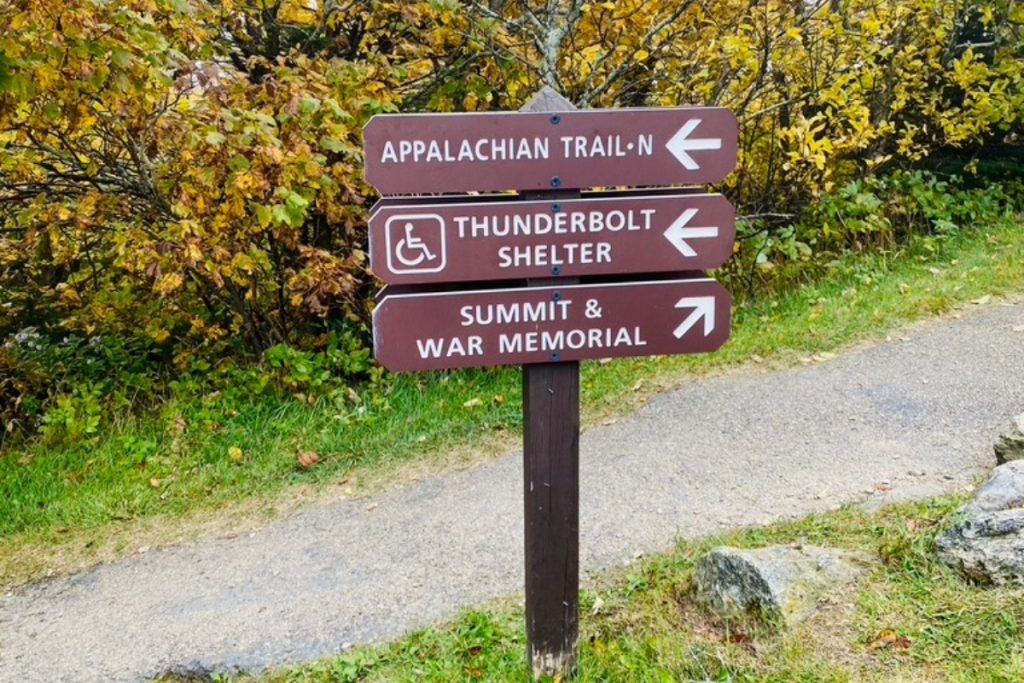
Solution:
(681, 144)
(678, 233)
(703, 307)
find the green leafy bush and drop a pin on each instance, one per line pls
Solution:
(183, 180)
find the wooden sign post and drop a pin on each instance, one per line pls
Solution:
(551, 488)
(541, 244)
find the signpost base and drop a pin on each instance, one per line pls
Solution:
(551, 408)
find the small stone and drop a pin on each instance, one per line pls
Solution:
(1010, 444)
(783, 583)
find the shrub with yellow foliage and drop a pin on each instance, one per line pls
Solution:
(187, 174)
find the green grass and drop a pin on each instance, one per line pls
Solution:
(150, 478)
(911, 619)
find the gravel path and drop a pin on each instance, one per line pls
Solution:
(919, 413)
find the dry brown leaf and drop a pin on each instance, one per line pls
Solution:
(307, 459)
(888, 637)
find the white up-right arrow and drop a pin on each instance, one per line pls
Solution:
(703, 307)
(681, 143)
(678, 233)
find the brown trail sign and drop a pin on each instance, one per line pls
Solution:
(507, 240)
(548, 152)
(549, 324)
(421, 153)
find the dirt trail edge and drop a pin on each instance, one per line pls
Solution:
(717, 453)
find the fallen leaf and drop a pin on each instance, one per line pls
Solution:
(307, 459)
(885, 637)
(235, 453)
(155, 483)
(888, 637)
(639, 383)
(499, 399)
(982, 300)
(739, 637)
(473, 403)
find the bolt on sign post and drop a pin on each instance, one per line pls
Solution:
(641, 256)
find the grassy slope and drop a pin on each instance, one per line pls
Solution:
(151, 479)
(912, 619)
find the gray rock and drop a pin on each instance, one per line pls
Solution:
(986, 539)
(1010, 444)
(780, 583)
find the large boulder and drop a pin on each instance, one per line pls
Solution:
(780, 583)
(1010, 444)
(986, 539)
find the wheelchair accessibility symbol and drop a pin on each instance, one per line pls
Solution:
(416, 243)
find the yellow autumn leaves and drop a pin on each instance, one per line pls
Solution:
(164, 162)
